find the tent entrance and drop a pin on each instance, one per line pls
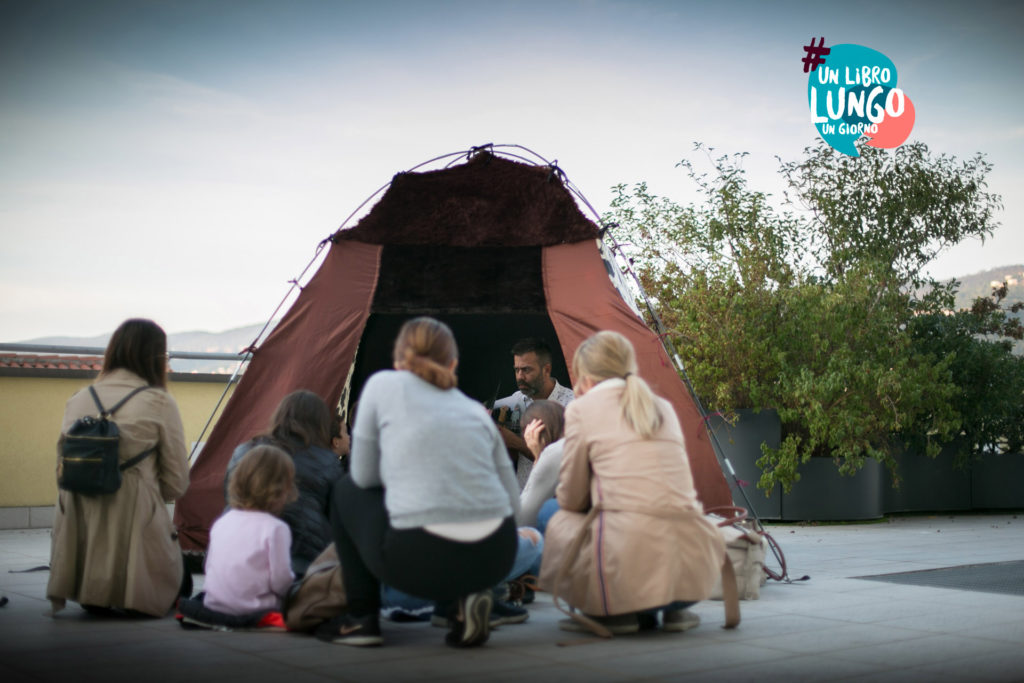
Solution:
(484, 339)
(490, 297)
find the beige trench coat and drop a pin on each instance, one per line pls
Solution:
(120, 550)
(647, 544)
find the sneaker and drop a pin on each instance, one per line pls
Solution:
(618, 625)
(502, 612)
(520, 591)
(192, 623)
(351, 630)
(679, 620)
(474, 626)
(506, 613)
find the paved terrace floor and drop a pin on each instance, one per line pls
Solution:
(833, 627)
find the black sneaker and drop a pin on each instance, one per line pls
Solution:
(351, 630)
(520, 591)
(472, 627)
(506, 613)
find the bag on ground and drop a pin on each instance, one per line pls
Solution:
(319, 596)
(746, 549)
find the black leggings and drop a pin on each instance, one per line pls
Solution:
(412, 560)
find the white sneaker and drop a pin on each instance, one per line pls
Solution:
(679, 620)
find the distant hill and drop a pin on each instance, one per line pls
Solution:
(980, 284)
(234, 340)
(229, 341)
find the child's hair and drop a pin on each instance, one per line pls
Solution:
(426, 347)
(303, 418)
(608, 354)
(262, 479)
(552, 414)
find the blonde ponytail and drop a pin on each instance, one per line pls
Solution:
(639, 408)
(426, 347)
(608, 354)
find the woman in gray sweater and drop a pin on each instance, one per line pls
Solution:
(430, 501)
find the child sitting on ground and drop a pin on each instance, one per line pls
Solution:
(248, 563)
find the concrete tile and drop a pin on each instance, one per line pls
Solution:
(897, 675)
(956, 619)
(786, 670)
(477, 662)
(838, 638)
(694, 662)
(1009, 632)
(996, 666)
(889, 612)
(564, 673)
(931, 649)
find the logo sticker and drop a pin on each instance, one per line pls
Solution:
(851, 91)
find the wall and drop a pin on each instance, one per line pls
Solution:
(31, 409)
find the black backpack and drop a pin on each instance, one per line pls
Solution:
(88, 462)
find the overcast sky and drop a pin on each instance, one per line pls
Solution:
(181, 160)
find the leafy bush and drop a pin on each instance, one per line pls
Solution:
(977, 346)
(810, 313)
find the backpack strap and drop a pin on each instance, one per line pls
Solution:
(124, 400)
(104, 413)
(131, 462)
(96, 399)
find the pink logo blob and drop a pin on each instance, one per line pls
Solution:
(893, 131)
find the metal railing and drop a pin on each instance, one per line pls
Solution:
(99, 351)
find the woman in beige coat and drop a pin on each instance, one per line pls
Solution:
(630, 537)
(120, 550)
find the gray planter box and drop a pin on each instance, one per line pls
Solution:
(997, 481)
(822, 494)
(741, 445)
(929, 484)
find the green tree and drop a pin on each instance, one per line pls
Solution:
(808, 313)
(897, 209)
(977, 346)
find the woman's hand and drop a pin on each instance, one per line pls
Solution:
(533, 436)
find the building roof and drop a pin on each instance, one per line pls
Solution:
(58, 366)
(51, 362)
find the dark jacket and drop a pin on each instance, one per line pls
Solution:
(316, 470)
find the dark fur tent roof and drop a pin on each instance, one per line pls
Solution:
(488, 201)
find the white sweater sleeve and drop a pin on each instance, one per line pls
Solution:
(364, 465)
(541, 484)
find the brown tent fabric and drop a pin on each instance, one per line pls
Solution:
(497, 249)
(311, 348)
(582, 301)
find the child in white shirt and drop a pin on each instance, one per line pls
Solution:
(248, 562)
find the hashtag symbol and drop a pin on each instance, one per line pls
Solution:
(814, 55)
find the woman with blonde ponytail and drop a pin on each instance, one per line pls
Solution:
(429, 504)
(630, 539)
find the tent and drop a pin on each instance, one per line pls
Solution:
(496, 248)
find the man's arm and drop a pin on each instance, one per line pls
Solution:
(514, 443)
